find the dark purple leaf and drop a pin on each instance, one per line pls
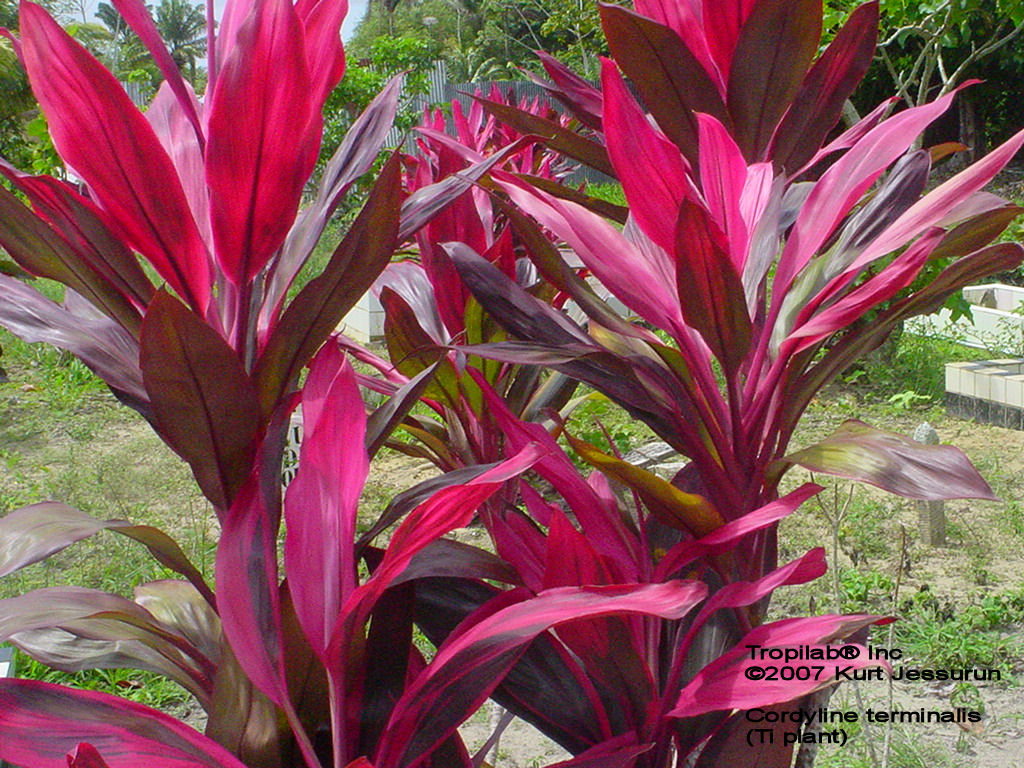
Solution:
(383, 421)
(556, 137)
(671, 82)
(775, 47)
(545, 687)
(582, 98)
(472, 662)
(354, 157)
(318, 308)
(609, 210)
(204, 401)
(732, 745)
(710, 290)
(819, 103)
(42, 252)
(426, 202)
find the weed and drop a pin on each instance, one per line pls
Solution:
(940, 634)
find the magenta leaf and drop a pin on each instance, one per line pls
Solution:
(264, 131)
(450, 508)
(471, 663)
(43, 723)
(585, 101)
(653, 172)
(205, 403)
(137, 17)
(843, 184)
(86, 756)
(642, 278)
(109, 143)
(247, 589)
(558, 138)
(895, 463)
(322, 501)
(726, 536)
(86, 228)
(723, 685)
(618, 752)
(321, 21)
(670, 80)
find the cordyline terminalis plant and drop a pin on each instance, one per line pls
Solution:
(207, 192)
(428, 308)
(766, 261)
(764, 276)
(318, 668)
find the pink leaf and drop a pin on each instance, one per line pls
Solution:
(450, 508)
(641, 277)
(322, 502)
(471, 663)
(42, 723)
(109, 143)
(171, 125)
(138, 18)
(247, 589)
(843, 185)
(724, 538)
(723, 176)
(321, 20)
(86, 756)
(653, 172)
(724, 684)
(264, 130)
(930, 209)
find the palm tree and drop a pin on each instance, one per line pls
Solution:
(183, 27)
(126, 52)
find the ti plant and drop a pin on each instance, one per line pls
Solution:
(428, 310)
(759, 260)
(618, 629)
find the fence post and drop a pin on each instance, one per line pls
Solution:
(931, 515)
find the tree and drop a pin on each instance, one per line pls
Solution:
(929, 48)
(183, 27)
